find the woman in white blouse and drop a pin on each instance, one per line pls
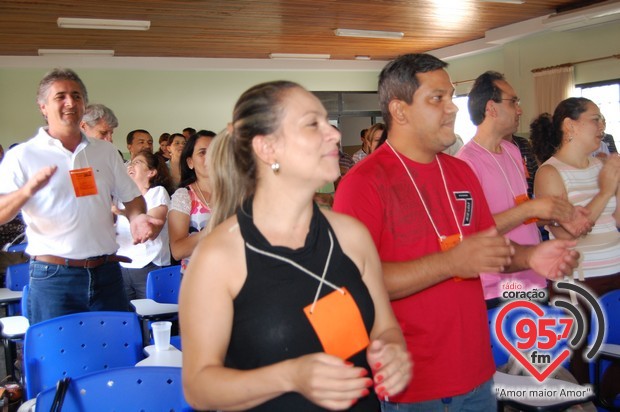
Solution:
(152, 178)
(190, 210)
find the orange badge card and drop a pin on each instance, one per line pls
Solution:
(448, 242)
(338, 323)
(83, 182)
(522, 199)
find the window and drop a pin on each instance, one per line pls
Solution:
(607, 97)
(463, 125)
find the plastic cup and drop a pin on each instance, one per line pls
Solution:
(161, 335)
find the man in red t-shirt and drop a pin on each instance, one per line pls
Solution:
(434, 232)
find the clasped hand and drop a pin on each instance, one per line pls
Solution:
(334, 384)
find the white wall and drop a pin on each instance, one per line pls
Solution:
(163, 98)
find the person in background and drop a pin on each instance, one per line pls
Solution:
(163, 152)
(607, 146)
(63, 182)
(190, 210)
(429, 220)
(564, 143)
(373, 136)
(609, 139)
(1, 153)
(530, 163)
(494, 110)
(99, 122)
(345, 160)
(189, 132)
(137, 141)
(455, 147)
(263, 301)
(151, 176)
(176, 142)
(363, 151)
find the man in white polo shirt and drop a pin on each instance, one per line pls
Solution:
(63, 182)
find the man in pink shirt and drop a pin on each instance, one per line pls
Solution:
(495, 108)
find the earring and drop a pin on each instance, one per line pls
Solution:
(275, 167)
(570, 139)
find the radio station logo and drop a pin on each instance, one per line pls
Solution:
(542, 337)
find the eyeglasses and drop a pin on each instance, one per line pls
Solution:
(135, 162)
(515, 100)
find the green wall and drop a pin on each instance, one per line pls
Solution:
(169, 100)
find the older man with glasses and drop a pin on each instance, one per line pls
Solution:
(494, 108)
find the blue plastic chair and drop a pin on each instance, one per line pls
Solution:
(154, 388)
(20, 247)
(77, 344)
(17, 276)
(162, 285)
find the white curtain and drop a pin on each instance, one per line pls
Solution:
(552, 86)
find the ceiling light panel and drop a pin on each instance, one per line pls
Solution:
(102, 24)
(373, 34)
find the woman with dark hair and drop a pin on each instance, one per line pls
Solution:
(564, 143)
(151, 176)
(176, 142)
(163, 147)
(283, 306)
(190, 209)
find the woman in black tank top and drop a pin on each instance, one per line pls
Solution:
(283, 306)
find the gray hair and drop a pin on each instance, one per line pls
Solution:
(55, 76)
(96, 112)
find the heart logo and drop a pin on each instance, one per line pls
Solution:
(531, 326)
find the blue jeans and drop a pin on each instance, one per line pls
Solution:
(480, 399)
(57, 290)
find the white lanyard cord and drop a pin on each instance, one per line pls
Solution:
(445, 186)
(321, 279)
(502, 169)
(443, 178)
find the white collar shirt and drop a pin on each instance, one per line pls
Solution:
(59, 223)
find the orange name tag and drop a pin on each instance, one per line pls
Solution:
(448, 242)
(522, 199)
(83, 182)
(338, 323)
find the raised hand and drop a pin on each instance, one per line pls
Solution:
(485, 251)
(39, 180)
(579, 224)
(554, 259)
(609, 177)
(553, 208)
(144, 227)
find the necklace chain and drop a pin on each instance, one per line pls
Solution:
(202, 196)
